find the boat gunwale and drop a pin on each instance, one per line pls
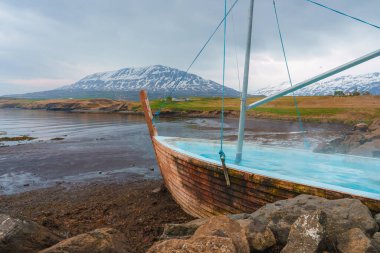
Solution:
(238, 171)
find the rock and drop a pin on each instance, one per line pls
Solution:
(259, 236)
(239, 216)
(376, 240)
(355, 241)
(156, 190)
(371, 149)
(342, 145)
(361, 127)
(20, 236)
(330, 147)
(97, 241)
(375, 125)
(376, 237)
(182, 231)
(209, 244)
(159, 189)
(217, 234)
(341, 215)
(57, 139)
(365, 141)
(222, 226)
(307, 234)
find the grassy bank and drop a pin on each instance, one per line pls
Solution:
(347, 110)
(319, 109)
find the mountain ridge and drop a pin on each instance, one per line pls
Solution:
(160, 81)
(369, 82)
(126, 83)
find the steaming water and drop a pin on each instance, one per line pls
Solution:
(351, 174)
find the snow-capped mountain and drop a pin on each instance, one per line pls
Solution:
(126, 83)
(154, 79)
(362, 83)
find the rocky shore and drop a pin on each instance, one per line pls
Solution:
(363, 140)
(101, 216)
(303, 224)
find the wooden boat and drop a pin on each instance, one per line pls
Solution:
(199, 186)
(205, 187)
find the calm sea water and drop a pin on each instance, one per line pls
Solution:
(99, 146)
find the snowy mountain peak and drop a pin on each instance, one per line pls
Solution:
(155, 79)
(369, 82)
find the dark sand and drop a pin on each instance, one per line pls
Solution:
(128, 206)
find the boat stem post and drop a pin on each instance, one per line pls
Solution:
(243, 99)
(147, 113)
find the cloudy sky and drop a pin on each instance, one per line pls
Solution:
(45, 44)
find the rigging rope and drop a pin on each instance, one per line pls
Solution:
(236, 57)
(161, 105)
(289, 76)
(344, 14)
(221, 152)
(223, 79)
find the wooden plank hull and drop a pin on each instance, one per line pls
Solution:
(199, 187)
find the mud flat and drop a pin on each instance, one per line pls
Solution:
(137, 207)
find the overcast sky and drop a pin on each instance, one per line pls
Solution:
(45, 44)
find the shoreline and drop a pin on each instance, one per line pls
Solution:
(138, 208)
(197, 114)
(323, 109)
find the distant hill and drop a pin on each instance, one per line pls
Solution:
(362, 83)
(126, 83)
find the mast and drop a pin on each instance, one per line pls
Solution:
(243, 99)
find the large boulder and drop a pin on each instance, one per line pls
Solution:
(341, 215)
(102, 240)
(376, 241)
(182, 231)
(355, 241)
(377, 218)
(18, 236)
(376, 237)
(218, 234)
(222, 226)
(364, 140)
(259, 235)
(307, 234)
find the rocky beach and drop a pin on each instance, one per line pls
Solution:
(78, 182)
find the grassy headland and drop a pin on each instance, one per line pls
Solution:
(347, 110)
(318, 109)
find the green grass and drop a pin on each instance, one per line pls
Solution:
(303, 111)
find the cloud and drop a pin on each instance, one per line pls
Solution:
(66, 40)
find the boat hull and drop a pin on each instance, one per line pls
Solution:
(199, 186)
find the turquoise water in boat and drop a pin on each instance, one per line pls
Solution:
(344, 173)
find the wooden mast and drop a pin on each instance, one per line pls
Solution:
(147, 113)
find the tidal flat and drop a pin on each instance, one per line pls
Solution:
(89, 170)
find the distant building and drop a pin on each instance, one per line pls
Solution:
(339, 93)
(180, 99)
